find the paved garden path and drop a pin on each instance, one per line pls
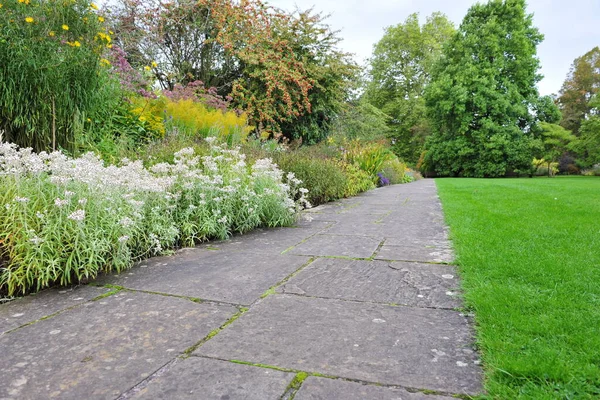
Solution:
(355, 302)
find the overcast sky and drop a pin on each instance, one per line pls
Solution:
(571, 27)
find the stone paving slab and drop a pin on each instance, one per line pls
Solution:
(206, 379)
(337, 389)
(415, 253)
(103, 348)
(338, 246)
(268, 241)
(422, 285)
(226, 276)
(410, 347)
(33, 307)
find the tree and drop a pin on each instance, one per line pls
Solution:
(580, 87)
(555, 141)
(282, 69)
(400, 70)
(588, 146)
(483, 93)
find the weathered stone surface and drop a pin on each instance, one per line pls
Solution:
(412, 347)
(267, 241)
(221, 275)
(206, 379)
(103, 348)
(422, 285)
(415, 253)
(331, 389)
(337, 245)
(47, 302)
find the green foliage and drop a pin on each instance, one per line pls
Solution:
(577, 93)
(587, 146)
(482, 92)
(400, 71)
(323, 177)
(363, 121)
(358, 181)
(368, 157)
(528, 255)
(50, 70)
(395, 171)
(555, 142)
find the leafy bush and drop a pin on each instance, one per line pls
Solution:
(324, 178)
(540, 167)
(594, 171)
(51, 69)
(65, 219)
(394, 170)
(368, 157)
(358, 181)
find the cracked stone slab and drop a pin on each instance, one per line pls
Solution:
(103, 348)
(323, 389)
(420, 285)
(220, 275)
(405, 346)
(338, 246)
(415, 253)
(207, 379)
(47, 302)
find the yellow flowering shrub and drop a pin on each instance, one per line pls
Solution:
(195, 119)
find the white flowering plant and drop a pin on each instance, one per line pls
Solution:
(63, 220)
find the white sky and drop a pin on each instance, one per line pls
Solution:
(571, 27)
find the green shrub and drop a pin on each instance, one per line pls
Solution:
(368, 157)
(394, 170)
(51, 70)
(358, 181)
(324, 178)
(63, 220)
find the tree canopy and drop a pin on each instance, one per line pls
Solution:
(578, 90)
(483, 93)
(400, 71)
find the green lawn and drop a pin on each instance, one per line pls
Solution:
(529, 255)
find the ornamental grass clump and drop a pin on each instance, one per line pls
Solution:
(63, 220)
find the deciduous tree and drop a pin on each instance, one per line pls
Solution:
(483, 93)
(400, 70)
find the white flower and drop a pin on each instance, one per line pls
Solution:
(69, 193)
(21, 199)
(123, 239)
(222, 220)
(126, 222)
(39, 215)
(78, 215)
(60, 203)
(36, 240)
(83, 202)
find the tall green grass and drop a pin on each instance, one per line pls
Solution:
(529, 254)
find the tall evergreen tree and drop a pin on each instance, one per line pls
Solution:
(483, 94)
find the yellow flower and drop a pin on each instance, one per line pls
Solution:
(29, 20)
(1, 5)
(51, 33)
(101, 19)
(111, 32)
(109, 46)
(65, 27)
(105, 62)
(92, 5)
(89, 120)
(85, 19)
(142, 119)
(147, 68)
(76, 44)
(154, 64)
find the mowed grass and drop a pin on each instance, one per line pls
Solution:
(529, 256)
